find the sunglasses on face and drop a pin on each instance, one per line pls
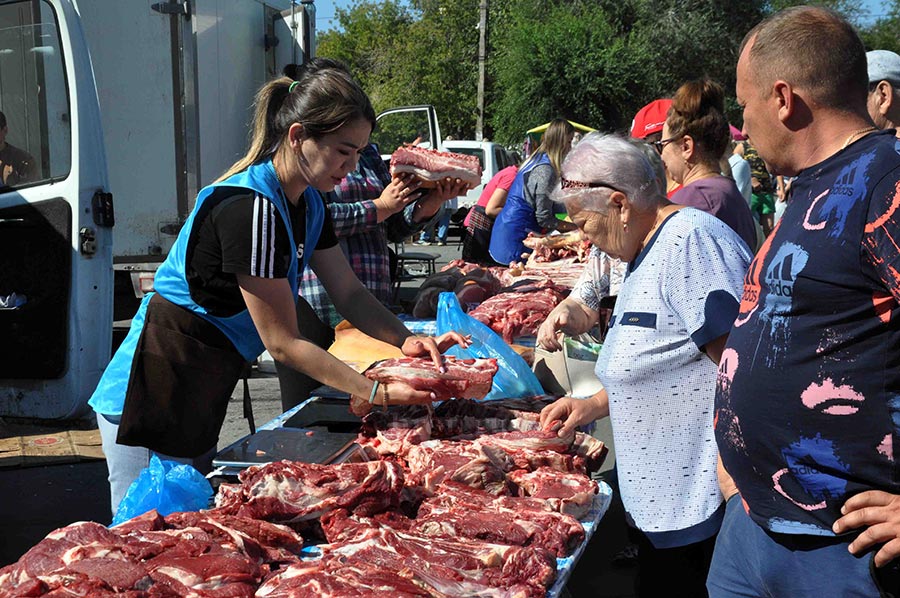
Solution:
(565, 183)
(659, 145)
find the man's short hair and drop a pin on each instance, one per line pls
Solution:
(814, 49)
(2, 121)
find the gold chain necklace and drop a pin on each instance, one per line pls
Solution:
(855, 134)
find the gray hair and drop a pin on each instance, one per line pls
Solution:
(627, 165)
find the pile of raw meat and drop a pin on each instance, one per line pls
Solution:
(206, 554)
(453, 506)
(470, 499)
(550, 248)
(512, 302)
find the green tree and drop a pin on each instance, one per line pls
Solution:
(593, 61)
(598, 62)
(372, 38)
(884, 32)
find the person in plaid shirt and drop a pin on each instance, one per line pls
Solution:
(368, 209)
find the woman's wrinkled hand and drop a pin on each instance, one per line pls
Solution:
(548, 333)
(572, 413)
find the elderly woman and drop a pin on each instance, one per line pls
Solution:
(694, 137)
(658, 364)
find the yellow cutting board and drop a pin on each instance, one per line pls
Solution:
(359, 350)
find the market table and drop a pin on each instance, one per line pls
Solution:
(257, 448)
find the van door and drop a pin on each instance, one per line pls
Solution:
(407, 125)
(294, 32)
(55, 215)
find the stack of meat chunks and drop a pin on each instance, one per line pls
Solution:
(466, 499)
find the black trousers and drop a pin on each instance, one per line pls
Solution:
(296, 387)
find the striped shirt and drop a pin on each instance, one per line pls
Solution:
(242, 234)
(352, 210)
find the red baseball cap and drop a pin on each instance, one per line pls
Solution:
(650, 118)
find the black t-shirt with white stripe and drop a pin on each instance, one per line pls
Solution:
(242, 233)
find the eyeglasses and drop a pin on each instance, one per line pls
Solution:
(659, 145)
(565, 183)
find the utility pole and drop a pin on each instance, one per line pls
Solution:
(482, 49)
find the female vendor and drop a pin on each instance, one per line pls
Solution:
(228, 287)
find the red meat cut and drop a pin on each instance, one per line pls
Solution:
(518, 313)
(290, 491)
(463, 378)
(432, 165)
(571, 493)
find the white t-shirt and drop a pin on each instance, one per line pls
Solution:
(681, 292)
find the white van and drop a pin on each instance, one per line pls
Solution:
(143, 102)
(493, 158)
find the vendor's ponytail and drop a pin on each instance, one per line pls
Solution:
(322, 100)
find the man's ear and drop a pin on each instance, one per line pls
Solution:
(886, 97)
(783, 95)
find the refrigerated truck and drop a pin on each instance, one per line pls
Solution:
(125, 108)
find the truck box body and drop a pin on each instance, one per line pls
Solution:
(174, 82)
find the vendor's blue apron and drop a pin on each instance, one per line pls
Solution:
(195, 360)
(516, 220)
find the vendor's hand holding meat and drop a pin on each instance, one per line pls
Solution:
(400, 192)
(424, 346)
(444, 190)
(390, 393)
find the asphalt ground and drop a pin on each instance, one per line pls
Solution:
(36, 500)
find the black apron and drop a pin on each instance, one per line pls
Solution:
(182, 376)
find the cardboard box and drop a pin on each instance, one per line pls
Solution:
(570, 371)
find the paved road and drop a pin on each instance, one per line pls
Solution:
(37, 500)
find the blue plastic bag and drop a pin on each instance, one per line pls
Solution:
(166, 486)
(514, 378)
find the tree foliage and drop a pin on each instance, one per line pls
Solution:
(592, 61)
(884, 33)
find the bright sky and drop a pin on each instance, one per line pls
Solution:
(325, 11)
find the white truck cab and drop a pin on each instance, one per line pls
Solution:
(404, 125)
(135, 104)
(56, 221)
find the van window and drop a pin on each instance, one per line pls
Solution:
(500, 158)
(408, 127)
(36, 142)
